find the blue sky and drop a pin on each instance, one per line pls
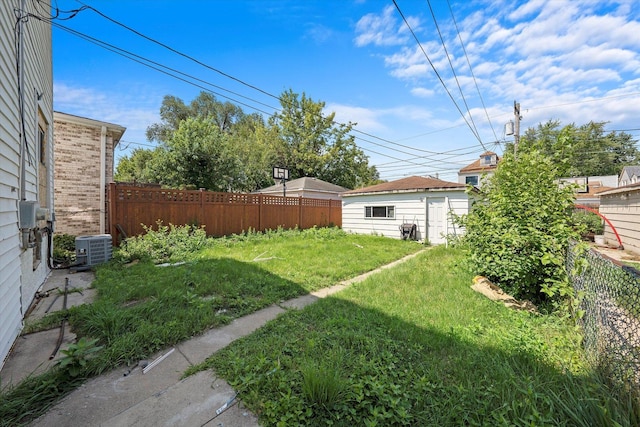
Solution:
(573, 61)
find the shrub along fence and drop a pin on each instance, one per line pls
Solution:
(220, 213)
(610, 298)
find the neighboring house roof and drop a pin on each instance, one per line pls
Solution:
(630, 171)
(594, 190)
(630, 187)
(117, 130)
(477, 166)
(407, 185)
(306, 183)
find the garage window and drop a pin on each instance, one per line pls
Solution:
(380, 212)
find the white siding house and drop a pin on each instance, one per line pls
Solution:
(629, 175)
(477, 172)
(426, 202)
(26, 160)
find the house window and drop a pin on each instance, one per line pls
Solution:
(471, 180)
(380, 212)
(488, 160)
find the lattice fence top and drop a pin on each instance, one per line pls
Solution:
(141, 195)
(151, 195)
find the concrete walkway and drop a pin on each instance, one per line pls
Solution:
(159, 397)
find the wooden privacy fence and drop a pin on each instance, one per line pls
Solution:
(220, 213)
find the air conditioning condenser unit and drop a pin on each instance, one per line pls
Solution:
(93, 250)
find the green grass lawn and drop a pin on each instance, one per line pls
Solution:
(414, 345)
(141, 308)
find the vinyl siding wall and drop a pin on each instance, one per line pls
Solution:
(623, 210)
(408, 207)
(19, 280)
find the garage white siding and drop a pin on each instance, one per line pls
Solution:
(428, 210)
(407, 209)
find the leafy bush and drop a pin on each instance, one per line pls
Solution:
(167, 243)
(519, 228)
(587, 223)
(64, 248)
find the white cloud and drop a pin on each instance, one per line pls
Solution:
(318, 33)
(365, 118)
(422, 92)
(382, 29)
(541, 52)
(133, 110)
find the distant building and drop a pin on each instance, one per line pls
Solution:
(485, 166)
(309, 187)
(629, 175)
(589, 187)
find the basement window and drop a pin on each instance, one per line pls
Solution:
(380, 212)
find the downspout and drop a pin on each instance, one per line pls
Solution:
(103, 177)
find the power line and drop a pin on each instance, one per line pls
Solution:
(132, 56)
(157, 66)
(147, 62)
(475, 82)
(446, 52)
(438, 74)
(177, 52)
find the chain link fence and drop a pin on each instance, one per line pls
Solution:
(610, 299)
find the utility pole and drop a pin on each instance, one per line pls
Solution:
(516, 136)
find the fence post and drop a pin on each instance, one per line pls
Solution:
(112, 213)
(300, 212)
(201, 214)
(260, 202)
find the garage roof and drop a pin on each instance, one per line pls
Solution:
(406, 185)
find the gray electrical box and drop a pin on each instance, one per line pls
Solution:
(93, 250)
(27, 212)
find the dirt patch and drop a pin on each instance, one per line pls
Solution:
(482, 285)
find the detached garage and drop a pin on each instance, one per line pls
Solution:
(423, 202)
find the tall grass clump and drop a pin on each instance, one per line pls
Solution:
(163, 244)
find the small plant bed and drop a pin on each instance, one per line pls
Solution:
(142, 307)
(414, 345)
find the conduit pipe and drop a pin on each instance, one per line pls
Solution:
(587, 208)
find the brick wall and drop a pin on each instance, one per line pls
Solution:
(77, 177)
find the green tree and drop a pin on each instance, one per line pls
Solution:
(215, 145)
(144, 165)
(519, 227)
(199, 154)
(252, 146)
(312, 144)
(584, 150)
(206, 106)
